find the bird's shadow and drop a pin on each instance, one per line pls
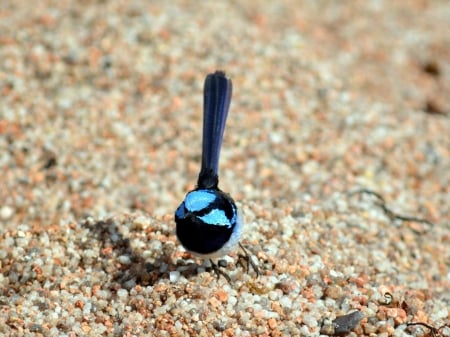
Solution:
(130, 268)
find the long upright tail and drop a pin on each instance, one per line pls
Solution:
(216, 102)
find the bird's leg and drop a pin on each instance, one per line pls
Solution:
(216, 268)
(248, 259)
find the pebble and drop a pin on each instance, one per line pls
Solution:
(124, 259)
(174, 276)
(6, 212)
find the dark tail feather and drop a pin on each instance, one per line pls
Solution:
(216, 102)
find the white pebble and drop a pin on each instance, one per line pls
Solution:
(286, 302)
(122, 293)
(87, 308)
(174, 276)
(232, 300)
(274, 295)
(310, 320)
(6, 212)
(124, 259)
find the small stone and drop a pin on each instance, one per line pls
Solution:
(124, 259)
(370, 328)
(327, 328)
(333, 292)
(36, 328)
(122, 293)
(219, 325)
(272, 322)
(6, 212)
(141, 223)
(214, 302)
(174, 276)
(222, 296)
(344, 324)
(398, 314)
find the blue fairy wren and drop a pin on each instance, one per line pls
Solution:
(207, 221)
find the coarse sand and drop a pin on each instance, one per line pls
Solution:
(337, 152)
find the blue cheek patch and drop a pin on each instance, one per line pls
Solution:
(198, 200)
(216, 217)
(180, 212)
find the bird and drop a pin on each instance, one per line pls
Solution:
(208, 223)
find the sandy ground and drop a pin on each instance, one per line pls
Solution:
(337, 151)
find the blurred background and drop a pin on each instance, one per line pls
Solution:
(101, 103)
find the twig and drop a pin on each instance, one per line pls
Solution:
(391, 214)
(436, 332)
